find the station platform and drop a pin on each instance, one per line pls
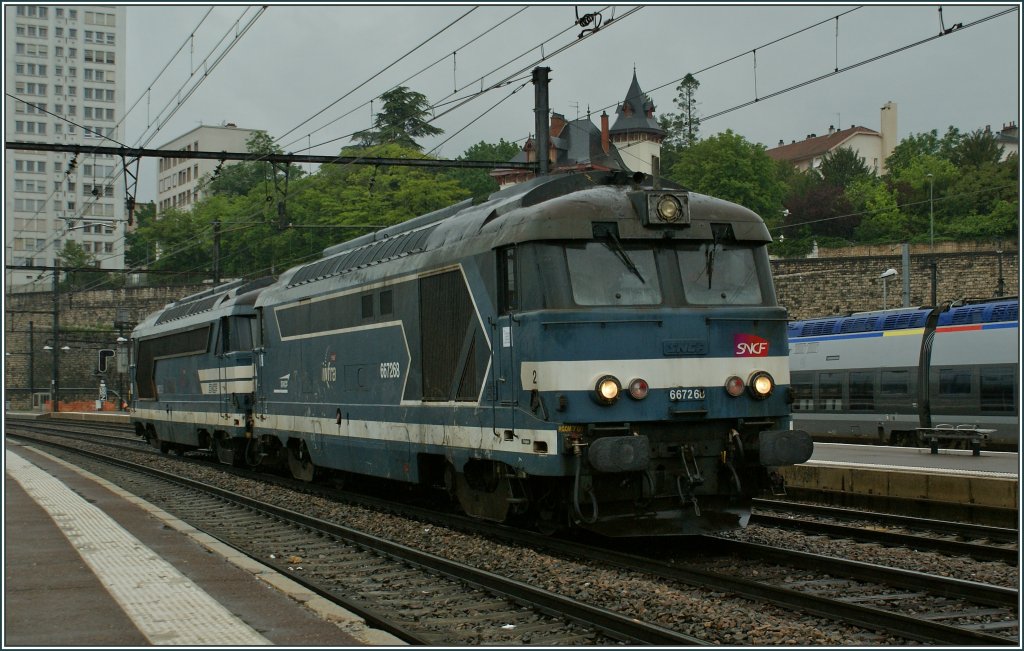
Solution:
(88, 565)
(991, 479)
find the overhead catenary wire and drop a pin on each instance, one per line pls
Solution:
(410, 77)
(377, 74)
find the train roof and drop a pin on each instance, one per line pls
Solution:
(588, 192)
(901, 319)
(989, 312)
(237, 296)
(905, 318)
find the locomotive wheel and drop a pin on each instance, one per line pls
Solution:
(299, 463)
(154, 440)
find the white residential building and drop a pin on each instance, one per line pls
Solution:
(181, 180)
(872, 146)
(65, 68)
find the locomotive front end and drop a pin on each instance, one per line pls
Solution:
(651, 337)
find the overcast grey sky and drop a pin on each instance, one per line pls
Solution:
(296, 60)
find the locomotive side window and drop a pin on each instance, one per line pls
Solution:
(151, 351)
(717, 274)
(862, 390)
(508, 296)
(602, 275)
(386, 302)
(997, 390)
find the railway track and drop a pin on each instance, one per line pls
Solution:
(981, 542)
(860, 594)
(421, 598)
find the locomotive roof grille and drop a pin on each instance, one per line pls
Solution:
(387, 249)
(188, 309)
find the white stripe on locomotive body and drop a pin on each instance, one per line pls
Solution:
(239, 372)
(177, 416)
(227, 379)
(455, 436)
(659, 373)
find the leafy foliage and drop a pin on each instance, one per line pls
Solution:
(401, 120)
(479, 183)
(729, 167)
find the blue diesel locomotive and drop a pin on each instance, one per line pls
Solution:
(577, 351)
(889, 377)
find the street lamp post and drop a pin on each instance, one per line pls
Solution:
(886, 275)
(931, 211)
(931, 233)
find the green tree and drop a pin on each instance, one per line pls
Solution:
(139, 251)
(238, 179)
(841, 167)
(922, 144)
(683, 127)
(401, 121)
(976, 149)
(729, 167)
(881, 219)
(73, 256)
(478, 181)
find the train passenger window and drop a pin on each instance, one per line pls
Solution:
(954, 381)
(803, 395)
(717, 274)
(862, 390)
(997, 390)
(607, 274)
(895, 382)
(830, 391)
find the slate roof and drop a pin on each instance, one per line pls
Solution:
(818, 146)
(639, 106)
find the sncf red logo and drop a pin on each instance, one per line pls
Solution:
(749, 346)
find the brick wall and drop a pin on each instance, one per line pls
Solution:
(825, 286)
(86, 327)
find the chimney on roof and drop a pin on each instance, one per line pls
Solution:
(604, 131)
(781, 142)
(831, 129)
(988, 128)
(557, 124)
(231, 125)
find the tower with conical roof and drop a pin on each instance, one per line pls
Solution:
(636, 133)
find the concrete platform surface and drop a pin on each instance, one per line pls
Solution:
(86, 564)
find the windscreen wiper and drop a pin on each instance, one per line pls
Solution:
(621, 253)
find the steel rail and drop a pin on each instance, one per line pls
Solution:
(608, 622)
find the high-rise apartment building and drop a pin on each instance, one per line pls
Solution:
(65, 68)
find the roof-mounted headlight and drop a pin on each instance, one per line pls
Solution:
(667, 209)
